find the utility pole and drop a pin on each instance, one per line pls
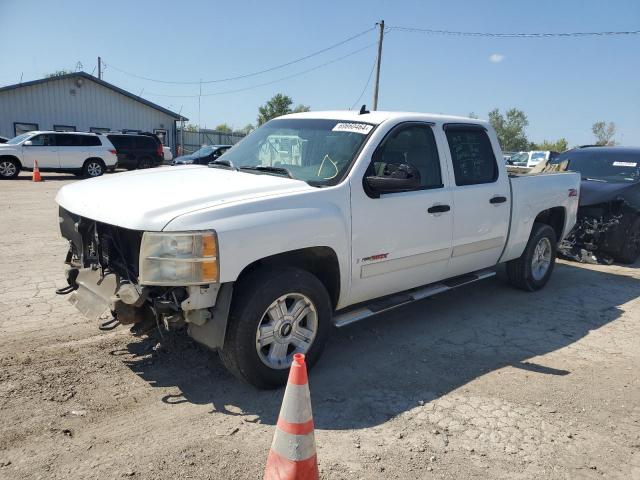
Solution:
(100, 68)
(377, 84)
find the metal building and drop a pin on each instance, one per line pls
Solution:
(83, 103)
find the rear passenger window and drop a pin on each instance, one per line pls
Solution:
(90, 141)
(414, 145)
(472, 155)
(66, 140)
(145, 143)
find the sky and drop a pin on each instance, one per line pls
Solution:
(564, 85)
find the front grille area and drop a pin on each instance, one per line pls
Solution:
(114, 248)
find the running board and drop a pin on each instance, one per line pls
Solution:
(384, 304)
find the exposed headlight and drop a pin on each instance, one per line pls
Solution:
(178, 259)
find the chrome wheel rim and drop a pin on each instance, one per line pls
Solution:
(288, 326)
(541, 259)
(94, 169)
(7, 169)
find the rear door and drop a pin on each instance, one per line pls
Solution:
(71, 150)
(481, 198)
(43, 149)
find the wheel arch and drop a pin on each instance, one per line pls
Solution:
(12, 157)
(319, 261)
(555, 217)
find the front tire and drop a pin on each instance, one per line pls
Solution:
(275, 313)
(9, 169)
(533, 269)
(631, 249)
(93, 168)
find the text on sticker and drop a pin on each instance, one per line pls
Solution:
(362, 128)
(625, 164)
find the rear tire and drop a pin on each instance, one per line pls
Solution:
(631, 249)
(145, 162)
(94, 167)
(254, 339)
(533, 269)
(9, 169)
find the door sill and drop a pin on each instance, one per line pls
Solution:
(359, 312)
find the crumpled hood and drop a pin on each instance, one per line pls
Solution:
(150, 199)
(594, 192)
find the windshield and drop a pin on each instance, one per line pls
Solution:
(204, 151)
(18, 139)
(522, 157)
(318, 152)
(537, 156)
(605, 166)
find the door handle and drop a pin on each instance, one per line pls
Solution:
(438, 209)
(498, 199)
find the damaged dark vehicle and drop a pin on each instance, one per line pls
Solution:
(608, 225)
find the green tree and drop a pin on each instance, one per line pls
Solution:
(559, 145)
(510, 129)
(247, 129)
(190, 127)
(224, 128)
(57, 73)
(473, 115)
(277, 106)
(604, 133)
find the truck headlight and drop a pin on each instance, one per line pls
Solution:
(179, 259)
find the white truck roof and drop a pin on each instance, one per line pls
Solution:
(378, 117)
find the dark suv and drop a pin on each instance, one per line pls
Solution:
(142, 150)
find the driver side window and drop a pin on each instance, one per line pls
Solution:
(413, 145)
(42, 140)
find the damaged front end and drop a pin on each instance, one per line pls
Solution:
(601, 233)
(145, 279)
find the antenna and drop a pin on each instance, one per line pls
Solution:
(363, 110)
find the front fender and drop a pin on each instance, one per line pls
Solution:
(260, 229)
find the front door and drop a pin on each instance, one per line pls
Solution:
(43, 150)
(402, 240)
(482, 200)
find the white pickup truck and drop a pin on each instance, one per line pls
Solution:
(260, 253)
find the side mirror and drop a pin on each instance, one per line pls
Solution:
(28, 143)
(397, 178)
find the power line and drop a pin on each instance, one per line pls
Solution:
(428, 31)
(247, 75)
(225, 92)
(375, 61)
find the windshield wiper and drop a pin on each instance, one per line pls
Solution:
(222, 164)
(596, 179)
(269, 170)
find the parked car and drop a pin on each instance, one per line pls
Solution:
(140, 150)
(4, 139)
(261, 255)
(206, 154)
(85, 154)
(535, 157)
(608, 226)
(168, 155)
(520, 159)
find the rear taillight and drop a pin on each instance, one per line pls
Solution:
(160, 151)
(113, 150)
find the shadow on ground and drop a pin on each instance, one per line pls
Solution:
(374, 370)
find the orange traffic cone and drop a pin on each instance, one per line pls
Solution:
(293, 450)
(36, 172)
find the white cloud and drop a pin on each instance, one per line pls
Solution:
(496, 58)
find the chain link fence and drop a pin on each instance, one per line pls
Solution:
(194, 140)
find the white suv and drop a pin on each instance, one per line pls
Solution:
(86, 154)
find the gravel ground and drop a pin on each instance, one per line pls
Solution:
(481, 382)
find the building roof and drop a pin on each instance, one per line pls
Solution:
(99, 82)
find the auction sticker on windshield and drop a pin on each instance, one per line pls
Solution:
(625, 164)
(362, 128)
